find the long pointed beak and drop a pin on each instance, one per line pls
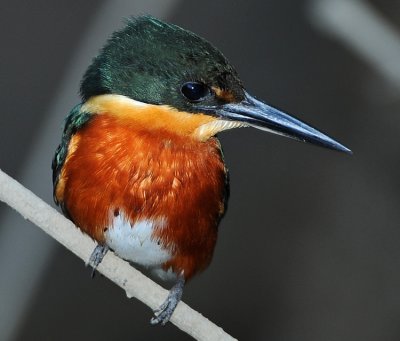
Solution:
(262, 116)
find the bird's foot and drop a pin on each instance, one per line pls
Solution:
(163, 314)
(96, 257)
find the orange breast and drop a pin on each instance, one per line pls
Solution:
(112, 166)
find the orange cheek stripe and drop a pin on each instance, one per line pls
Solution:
(147, 116)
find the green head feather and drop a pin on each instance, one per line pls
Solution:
(149, 61)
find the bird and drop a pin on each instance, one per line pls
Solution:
(140, 168)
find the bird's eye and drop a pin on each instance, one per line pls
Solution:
(195, 91)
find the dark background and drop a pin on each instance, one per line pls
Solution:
(309, 248)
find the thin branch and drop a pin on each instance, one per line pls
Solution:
(117, 270)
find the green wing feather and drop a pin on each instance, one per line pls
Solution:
(74, 121)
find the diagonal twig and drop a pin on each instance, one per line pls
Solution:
(117, 270)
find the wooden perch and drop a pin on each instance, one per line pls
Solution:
(117, 270)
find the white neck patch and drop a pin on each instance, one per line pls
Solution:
(205, 131)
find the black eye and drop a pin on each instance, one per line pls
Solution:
(195, 91)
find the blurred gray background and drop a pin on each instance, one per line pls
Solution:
(309, 248)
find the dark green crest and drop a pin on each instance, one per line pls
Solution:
(150, 60)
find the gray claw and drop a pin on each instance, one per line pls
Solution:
(96, 257)
(163, 313)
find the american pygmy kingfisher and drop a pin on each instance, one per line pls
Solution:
(139, 168)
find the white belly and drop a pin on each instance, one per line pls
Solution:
(135, 243)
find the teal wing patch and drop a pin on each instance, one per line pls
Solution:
(74, 121)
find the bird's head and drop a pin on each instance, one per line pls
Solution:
(183, 79)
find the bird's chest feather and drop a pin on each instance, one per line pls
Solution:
(136, 243)
(147, 195)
